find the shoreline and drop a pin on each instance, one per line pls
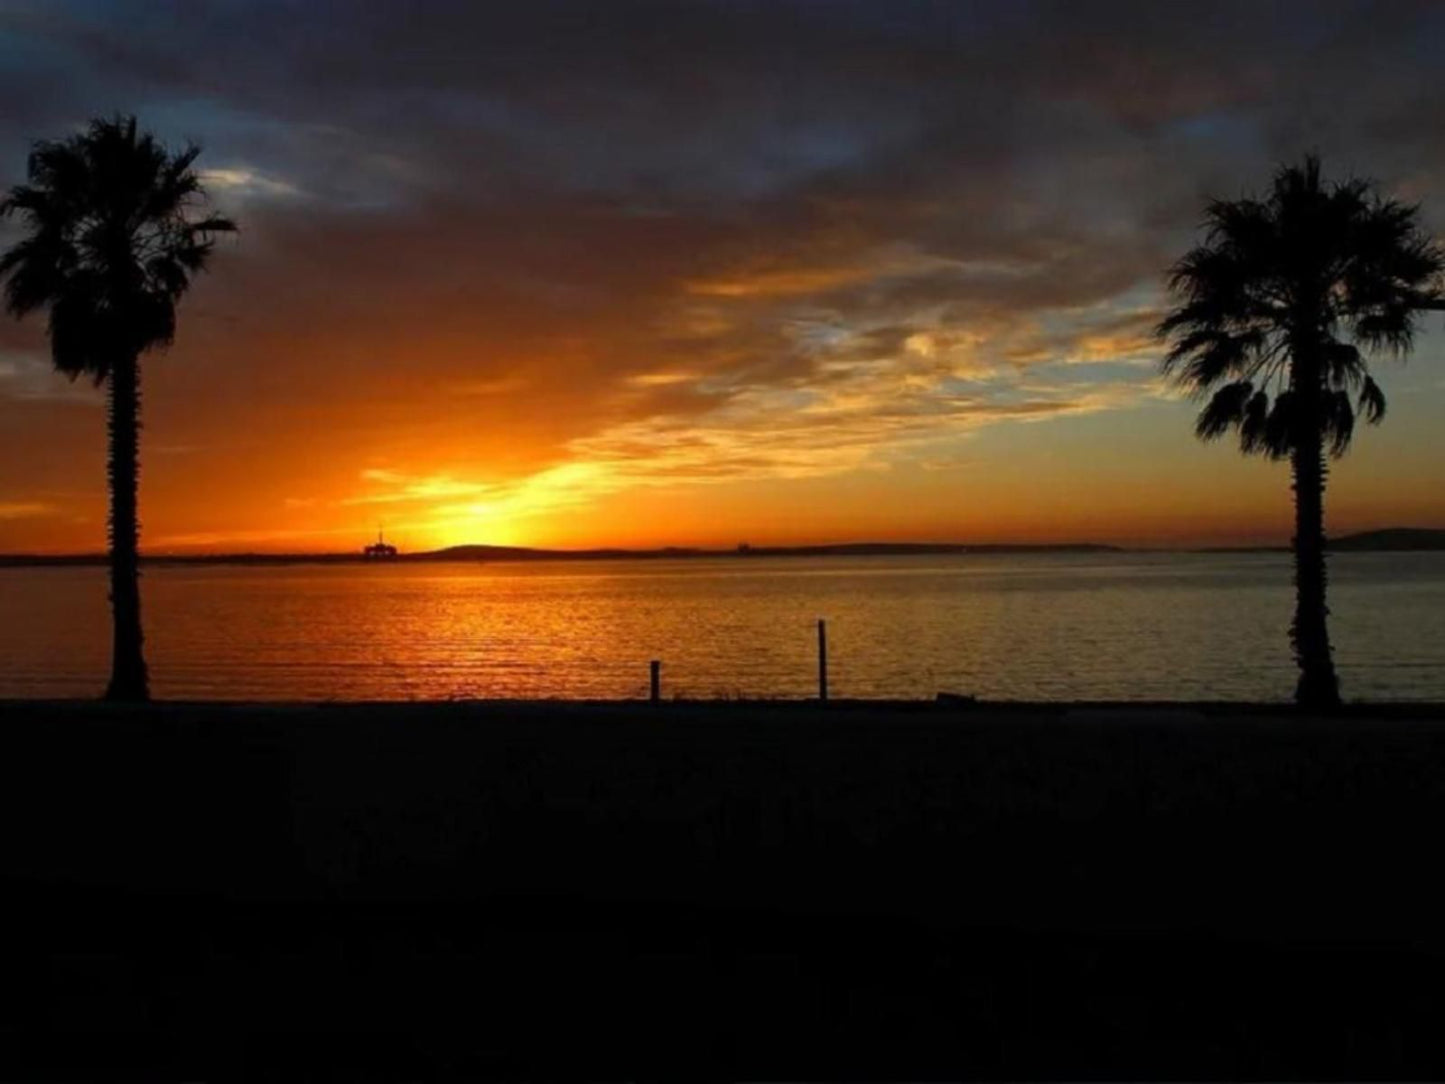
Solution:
(941, 706)
(520, 555)
(1386, 540)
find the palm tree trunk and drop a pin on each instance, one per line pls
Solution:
(1309, 634)
(128, 677)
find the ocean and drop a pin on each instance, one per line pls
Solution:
(1115, 626)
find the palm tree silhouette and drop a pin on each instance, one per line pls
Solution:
(1276, 312)
(115, 229)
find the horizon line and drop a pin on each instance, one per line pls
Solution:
(763, 549)
(742, 549)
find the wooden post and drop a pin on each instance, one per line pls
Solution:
(822, 659)
(656, 667)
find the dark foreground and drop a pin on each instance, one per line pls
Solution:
(725, 890)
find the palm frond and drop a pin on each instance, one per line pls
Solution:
(1372, 401)
(80, 194)
(1225, 410)
(1253, 424)
(1344, 363)
(1280, 426)
(1294, 290)
(1338, 422)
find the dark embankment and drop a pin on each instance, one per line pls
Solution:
(735, 890)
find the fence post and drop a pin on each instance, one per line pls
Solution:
(822, 659)
(656, 667)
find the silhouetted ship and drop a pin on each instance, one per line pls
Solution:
(380, 549)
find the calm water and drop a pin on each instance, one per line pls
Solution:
(1023, 627)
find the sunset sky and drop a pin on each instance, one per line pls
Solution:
(681, 273)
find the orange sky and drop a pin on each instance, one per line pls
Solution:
(292, 478)
(794, 278)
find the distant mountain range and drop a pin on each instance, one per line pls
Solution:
(1390, 539)
(523, 553)
(843, 549)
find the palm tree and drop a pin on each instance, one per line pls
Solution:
(1276, 313)
(114, 230)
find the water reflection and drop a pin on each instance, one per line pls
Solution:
(1032, 627)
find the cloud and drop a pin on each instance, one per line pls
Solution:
(27, 376)
(402, 488)
(265, 539)
(792, 283)
(25, 509)
(247, 184)
(510, 256)
(860, 421)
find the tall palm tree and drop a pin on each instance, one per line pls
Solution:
(115, 227)
(1276, 313)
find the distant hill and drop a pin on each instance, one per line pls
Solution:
(1393, 538)
(1398, 539)
(837, 549)
(842, 549)
(523, 553)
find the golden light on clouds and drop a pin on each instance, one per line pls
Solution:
(786, 283)
(566, 294)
